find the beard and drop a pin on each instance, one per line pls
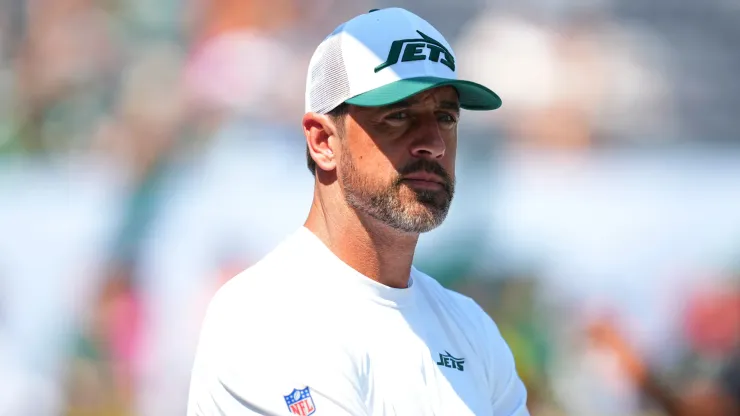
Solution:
(396, 204)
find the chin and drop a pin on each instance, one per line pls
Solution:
(423, 217)
(421, 227)
(433, 204)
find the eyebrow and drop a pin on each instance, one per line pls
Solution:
(450, 105)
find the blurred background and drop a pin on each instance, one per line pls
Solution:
(150, 150)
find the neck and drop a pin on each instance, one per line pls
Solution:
(368, 246)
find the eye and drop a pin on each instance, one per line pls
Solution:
(447, 119)
(399, 115)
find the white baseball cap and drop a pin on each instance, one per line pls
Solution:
(382, 57)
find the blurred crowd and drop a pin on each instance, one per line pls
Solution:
(150, 150)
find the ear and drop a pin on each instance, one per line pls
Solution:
(321, 138)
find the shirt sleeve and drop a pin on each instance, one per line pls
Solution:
(508, 393)
(246, 365)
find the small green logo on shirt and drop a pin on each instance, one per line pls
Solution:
(447, 360)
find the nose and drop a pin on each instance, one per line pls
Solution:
(429, 142)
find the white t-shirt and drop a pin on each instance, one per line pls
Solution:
(301, 332)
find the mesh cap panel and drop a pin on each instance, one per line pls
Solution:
(328, 84)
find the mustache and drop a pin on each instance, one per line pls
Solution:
(424, 165)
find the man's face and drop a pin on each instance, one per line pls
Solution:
(397, 162)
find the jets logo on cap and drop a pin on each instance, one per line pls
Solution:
(413, 50)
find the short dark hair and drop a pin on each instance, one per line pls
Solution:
(337, 115)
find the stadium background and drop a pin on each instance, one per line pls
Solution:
(151, 149)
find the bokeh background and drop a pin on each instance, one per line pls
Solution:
(149, 150)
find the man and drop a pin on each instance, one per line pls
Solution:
(336, 320)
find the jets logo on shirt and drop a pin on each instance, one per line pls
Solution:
(300, 402)
(447, 360)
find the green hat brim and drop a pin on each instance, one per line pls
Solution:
(473, 96)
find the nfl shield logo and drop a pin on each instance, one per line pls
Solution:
(300, 402)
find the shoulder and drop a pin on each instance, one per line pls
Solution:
(265, 333)
(259, 298)
(273, 271)
(478, 327)
(260, 312)
(471, 319)
(454, 302)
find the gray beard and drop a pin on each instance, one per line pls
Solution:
(386, 205)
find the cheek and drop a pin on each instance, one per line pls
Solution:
(448, 161)
(390, 152)
(374, 160)
(368, 163)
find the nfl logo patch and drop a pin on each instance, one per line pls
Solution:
(300, 402)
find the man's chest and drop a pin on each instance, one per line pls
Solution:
(431, 374)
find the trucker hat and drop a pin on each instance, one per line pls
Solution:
(382, 57)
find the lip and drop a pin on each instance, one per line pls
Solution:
(424, 177)
(424, 181)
